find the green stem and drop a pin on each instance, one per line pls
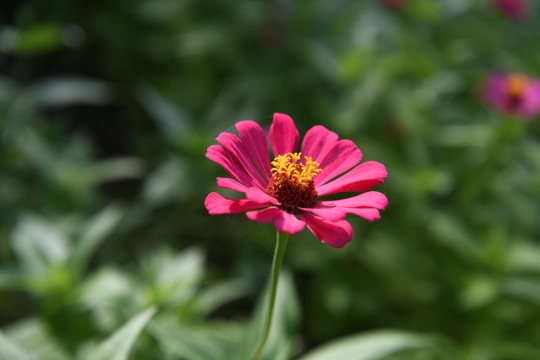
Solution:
(281, 244)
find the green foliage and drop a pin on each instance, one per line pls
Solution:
(370, 346)
(106, 111)
(117, 346)
(11, 351)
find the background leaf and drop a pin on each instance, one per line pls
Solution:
(10, 351)
(118, 345)
(369, 346)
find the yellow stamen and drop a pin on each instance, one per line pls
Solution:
(288, 164)
(292, 181)
(516, 84)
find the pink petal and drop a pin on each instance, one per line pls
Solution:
(531, 100)
(288, 223)
(494, 90)
(265, 215)
(217, 204)
(361, 178)
(224, 158)
(256, 194)
(496, 94)
(283, 221)
(228, 183)
(335, 234)
(328, 213)
(283, 134)
(516, 9)
(370, 214)
(318, 142)
(365, 205)
(373, 199)
(342, 157)
(254, 139)
(253, 193)
(234, 146)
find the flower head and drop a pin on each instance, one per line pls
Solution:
(516, 9)
(290, 190)
(513, 93)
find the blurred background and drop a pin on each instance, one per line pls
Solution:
(106, 111)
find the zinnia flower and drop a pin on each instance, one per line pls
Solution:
(515, 9)
(287, 190)
(513, 94)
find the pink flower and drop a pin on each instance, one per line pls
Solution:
(515, 9)
(286, 191)
(513, 94)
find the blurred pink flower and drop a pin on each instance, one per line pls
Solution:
(516, 9)
(514, 94)
(286, 191)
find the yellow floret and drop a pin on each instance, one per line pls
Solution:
(288, 164)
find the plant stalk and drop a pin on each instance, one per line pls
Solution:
(281, 244)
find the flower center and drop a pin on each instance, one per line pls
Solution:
(516, 85)
(292, 181)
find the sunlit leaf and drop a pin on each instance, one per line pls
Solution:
(173, 277)
(11, 351)
(105, 286)
(369, 346)
(118, 345)
(38, 245)
(119, 169)
(479, 290)
(162, 184)
(71, 91)
(524, 257)
(35, 338)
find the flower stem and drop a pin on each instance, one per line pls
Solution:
(281, 244)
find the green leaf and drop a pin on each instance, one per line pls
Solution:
(186, 342)
(214, 296)
(369, 346)
(162, 185)
(523, 257)
(11, 351)
(66, 91)
(172, 278)
(479, 290)
(525, 288)
(107, 289)
(38, 244)
(119, 168)
(94, 233)
(11, 278)
(38, 38)
(118, 345)
(173, 120)
(35, 337)
(455, 234)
